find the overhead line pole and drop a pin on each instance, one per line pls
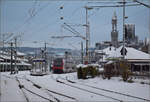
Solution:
(16, 69)
(11, 61)
(124, 29)
(87, 33)
(82, 52)
(46, 62)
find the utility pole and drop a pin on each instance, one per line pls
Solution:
(87, 33)
(81, 52)
(149, 32)
(46, 62)
(16, 70)
(89, 54)
(3, 49)
(124, 29)
(11, 65)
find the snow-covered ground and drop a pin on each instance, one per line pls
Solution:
(66, 87)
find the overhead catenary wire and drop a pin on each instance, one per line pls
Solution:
(31, 17)
(73, 30)
(43, 27)
(101, 6)
(33, 13)
(47, 25)
(108, 2)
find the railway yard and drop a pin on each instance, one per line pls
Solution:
(75, 51)
(66, 87)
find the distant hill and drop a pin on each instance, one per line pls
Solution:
(56, 51)
(32, 50)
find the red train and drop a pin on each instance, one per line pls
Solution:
(60, 65)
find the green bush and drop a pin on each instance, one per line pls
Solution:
(130, 81)
(91, 71)
(125, 70)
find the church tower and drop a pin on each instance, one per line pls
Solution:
(114, 32)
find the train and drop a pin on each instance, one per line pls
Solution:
(62, 65)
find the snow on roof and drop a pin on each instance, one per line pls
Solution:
(20, 54)
(109, 62)
(9, 57)
(24, 63)
(84, 66)
(81, 66)
(107, 50)
(3, 52)
(4, 56)
(18, 64)
(1, 59)
(95, 65)
(131, 54)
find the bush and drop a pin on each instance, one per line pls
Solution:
(79, 73)
(142, 82)
(130, 81)
(125, 70)
(91, 71)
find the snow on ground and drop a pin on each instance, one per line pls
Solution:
(10, 90)
(79, 91)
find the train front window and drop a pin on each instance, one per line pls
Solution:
(58, 63)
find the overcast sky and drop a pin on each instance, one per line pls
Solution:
(39, 20)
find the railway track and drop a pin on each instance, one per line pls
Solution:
(48, 91)
(21, 86)
(110, 91)
(70, 83)
(115, 99)
(24, 90)
(51, 91)
(24, 94)
(104, 90)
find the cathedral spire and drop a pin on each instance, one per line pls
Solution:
(114, 16)
(114, 32)
(114, 22)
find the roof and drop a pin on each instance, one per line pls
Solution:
(109, 62)
(131, 54)
(3, 52)
(18, 64)
(107, 50)
(20, 54)
(39, 60)
(81, 66)
(1, 59)
(9, 57)
(84, 66)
